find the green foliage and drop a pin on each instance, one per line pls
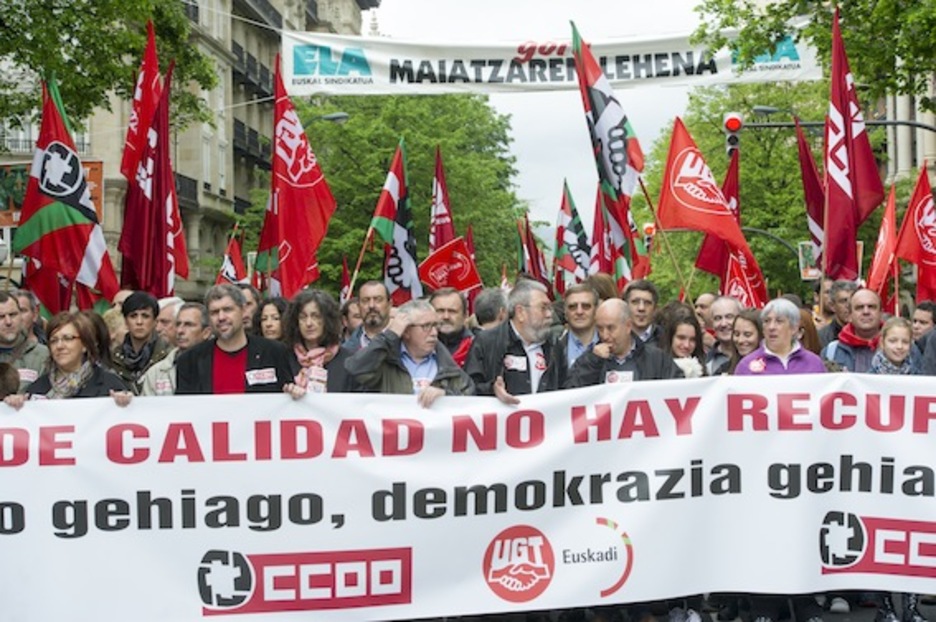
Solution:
(891, 44)
(94, 47)
(355, 157)
(771, 190)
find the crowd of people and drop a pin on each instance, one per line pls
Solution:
(513, 344)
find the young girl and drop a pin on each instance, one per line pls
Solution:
(895, 358)
(682, 339)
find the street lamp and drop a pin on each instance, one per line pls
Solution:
(766, 111)
(334, 117)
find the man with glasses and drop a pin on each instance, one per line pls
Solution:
(518, 357)
(581, 303)
(409, 359)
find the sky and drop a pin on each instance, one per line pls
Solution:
(550, 137)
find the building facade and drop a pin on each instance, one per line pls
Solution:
(217, 165)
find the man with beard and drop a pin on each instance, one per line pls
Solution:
(409, 359)
(142, 346)
(518, 357)
(374, 300)
(621, 356)
(452, 309)
(233, 362)
(27, 356)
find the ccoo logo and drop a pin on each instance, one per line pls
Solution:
(519, 563)
(874, 545)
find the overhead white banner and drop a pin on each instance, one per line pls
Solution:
(316, 63)
(366, 507)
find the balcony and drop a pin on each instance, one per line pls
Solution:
(240, 205)
(368, 4)
(191, 10)
(8, 144)
(239, 67)
(266, 81)
(312, 12)
(187, 191)
(240, 136)
(265, 12)
(253, 68)
(253, 142)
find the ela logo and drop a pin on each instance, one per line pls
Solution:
(320, 60)
(519, 563)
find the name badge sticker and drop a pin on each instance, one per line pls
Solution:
(266, 375)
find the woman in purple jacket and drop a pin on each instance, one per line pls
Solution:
(781, 352)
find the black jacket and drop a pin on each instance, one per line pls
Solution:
(378, 369)
(99, 384)
(194, 366)
(486, 362)
(647, 363)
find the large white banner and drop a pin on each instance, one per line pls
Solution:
(366, 507)
(348, 65)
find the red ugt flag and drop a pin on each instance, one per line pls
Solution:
(884, 261)
(917, 240)
(713, 253)
(450, 266)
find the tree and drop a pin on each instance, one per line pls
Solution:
(771, 192)
(355, 156)
(94, 48)
(891, 45)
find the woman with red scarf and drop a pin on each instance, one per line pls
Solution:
(313, 334)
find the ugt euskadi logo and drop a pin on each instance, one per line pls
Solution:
(233, 583)
(849, 543)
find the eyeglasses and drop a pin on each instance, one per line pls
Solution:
(427, 327)
(63, 339)
(584, 306)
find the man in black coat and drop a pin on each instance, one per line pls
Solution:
(232, 362)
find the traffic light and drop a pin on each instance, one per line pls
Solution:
(732, 125)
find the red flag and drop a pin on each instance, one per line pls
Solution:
(58, 224)
(917, 240)
(813, 192)
(51, 288)
(884, 262)
(441, 226)
(690, 198)
(600, 260)
(145, 97)
(469, 242)
(737, 284)
(300, 204)
(344, 294)
(853, 183)
(504, 284)
(450, 266)
(713, 253)
(152, 240)
(232, 266)
(572, 253)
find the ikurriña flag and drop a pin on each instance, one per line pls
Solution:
(152, 241)
(853, 183)
(300, 204)
(393, 222)
(58, 224)
(916, 242)
(618, 157)
(572, 253)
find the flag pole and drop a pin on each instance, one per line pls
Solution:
(360, 260)
(669, 249)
